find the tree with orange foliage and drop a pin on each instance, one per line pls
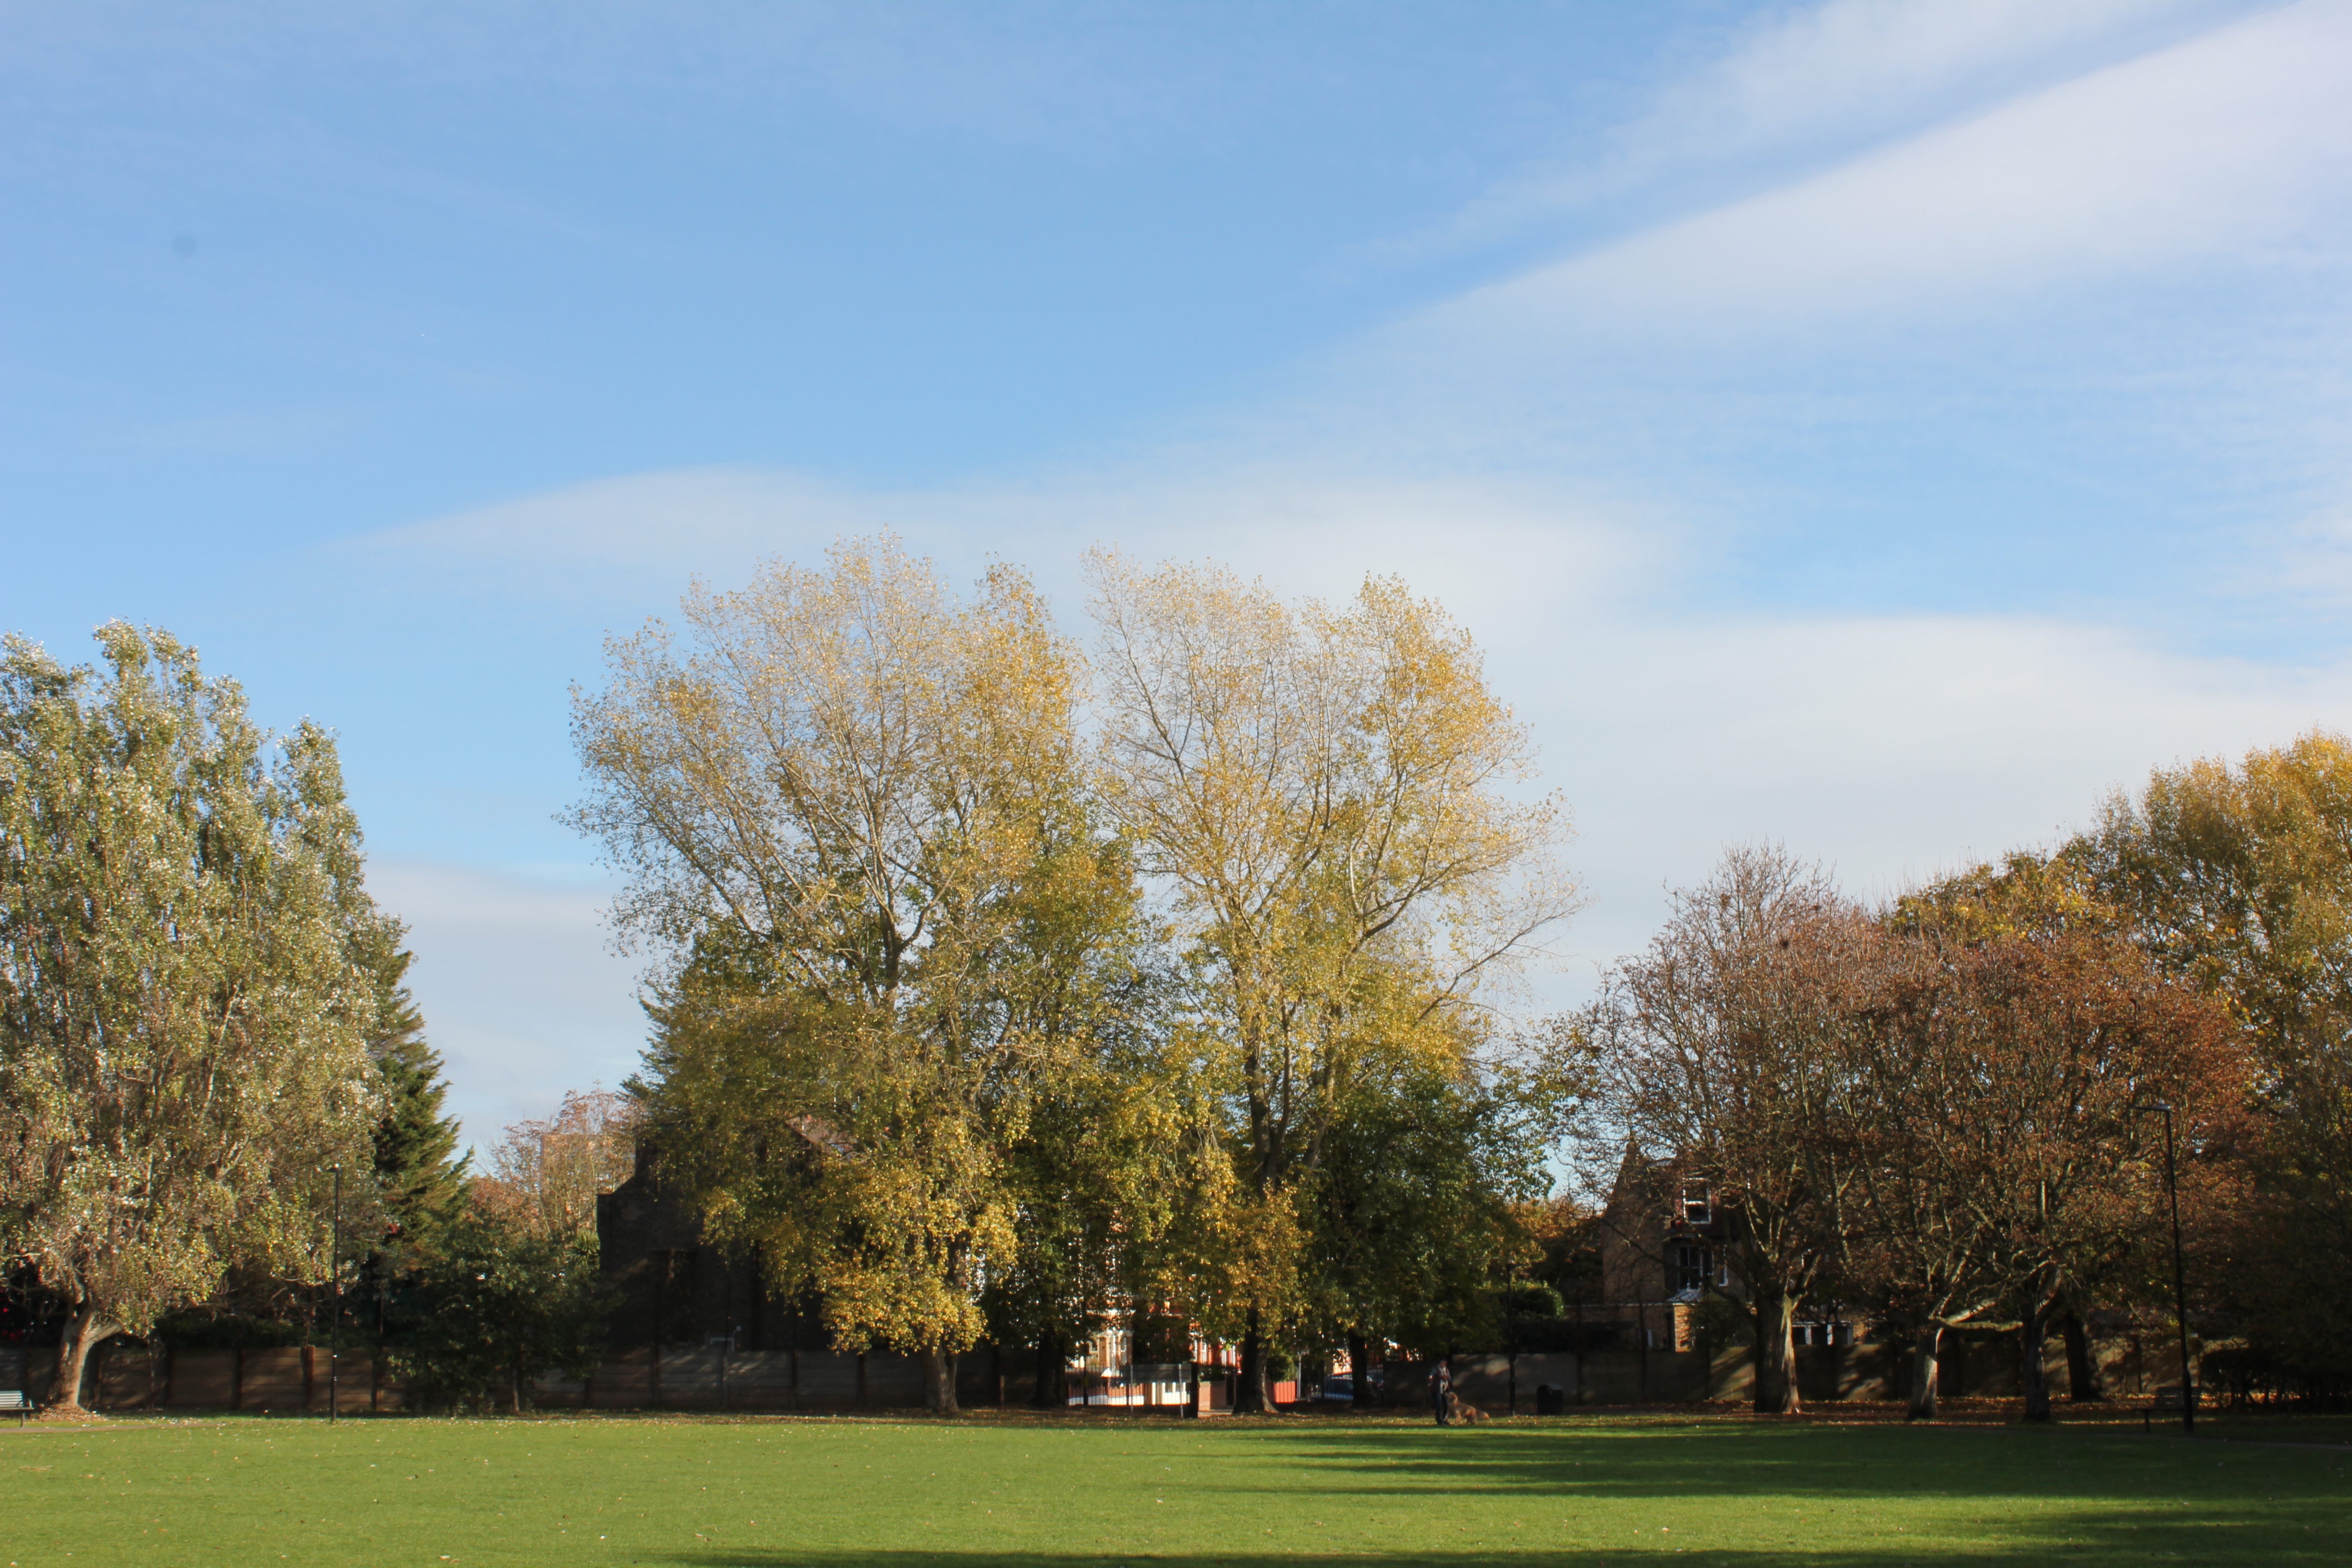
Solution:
(2237, 877)
(546, 1173)
(2017, 1047)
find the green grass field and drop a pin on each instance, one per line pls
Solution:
(989, 1489)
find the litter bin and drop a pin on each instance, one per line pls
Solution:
(1551, 1399)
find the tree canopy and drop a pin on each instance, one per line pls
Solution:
(187, 985)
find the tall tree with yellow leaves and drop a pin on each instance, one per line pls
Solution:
(1321, 792)
(848, 804)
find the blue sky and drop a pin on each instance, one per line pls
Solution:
(1879, 426)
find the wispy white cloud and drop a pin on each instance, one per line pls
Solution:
(621, 541)
(1825, 81)
(1863, 67)
(2236, 141)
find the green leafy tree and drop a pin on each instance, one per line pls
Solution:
(1080, 1173)
(1418, 1202)
(498, 1306)
(184, 1001)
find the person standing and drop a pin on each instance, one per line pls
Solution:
(1441, 1392)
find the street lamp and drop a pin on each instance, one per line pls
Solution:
(335, 1323)
(2179, 1280)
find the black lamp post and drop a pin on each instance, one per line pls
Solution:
(2179, 1281)
(335, 1323)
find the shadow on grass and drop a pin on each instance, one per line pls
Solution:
(1723, 1462)
(2002, 1499)
(2090, 1542)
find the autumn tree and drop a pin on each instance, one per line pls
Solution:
(545, 1173)
(2074, 1040)
(2018, 1056)
(1724, 1046)
(2237, 878)
(1920, 1238)
(849, 807)
(1322, 795)
(186, 996)
(1924, 1237)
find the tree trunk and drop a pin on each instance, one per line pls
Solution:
(1924, 1351)
(2082, 1367)
(1047, 1394)
(2033, 1333)
(1776, 1371)
(939, 1382)
(515, 1384)
(85, 1331)
(1249, 1393)
(1360, 1370)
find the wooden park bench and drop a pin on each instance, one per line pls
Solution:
(14, 1399)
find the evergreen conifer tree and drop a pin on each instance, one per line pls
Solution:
(417, 1164)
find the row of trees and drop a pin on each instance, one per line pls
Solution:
(970, 1022)
(1008, 980)
(1001, 981)
(1956, 1109)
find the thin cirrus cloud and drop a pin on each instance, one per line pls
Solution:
(2238, 141)
(1818, 83)
(1871, 66)
(2079, 353)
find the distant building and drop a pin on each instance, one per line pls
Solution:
(672, 1288)
(1667, 1244)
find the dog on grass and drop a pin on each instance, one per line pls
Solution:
(1457, 1410)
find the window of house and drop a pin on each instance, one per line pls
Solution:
(1690, 1268)
(1699, 1207)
